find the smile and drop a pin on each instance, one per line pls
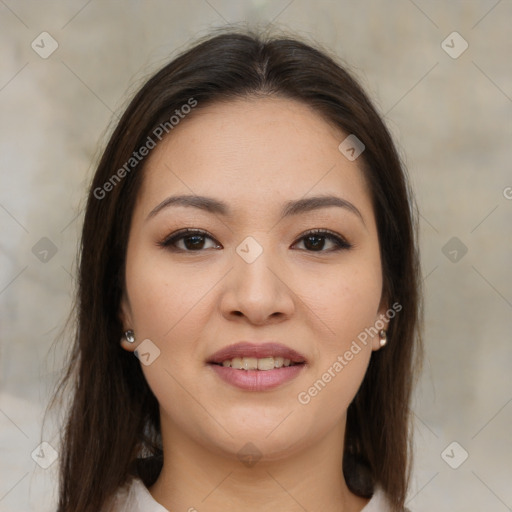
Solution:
(257, 366)
(254, 363)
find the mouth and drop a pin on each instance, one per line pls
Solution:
(254, 363)
(250, 356)
(257, 367)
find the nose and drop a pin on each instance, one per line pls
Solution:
(257, 291)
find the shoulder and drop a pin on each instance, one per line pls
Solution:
(135, 497)
(379, 502)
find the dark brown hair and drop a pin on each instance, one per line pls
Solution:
(112, 424)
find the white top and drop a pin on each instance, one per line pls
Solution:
(136, 498)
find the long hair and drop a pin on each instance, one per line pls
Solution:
(112, 427)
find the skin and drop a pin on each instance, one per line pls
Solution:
(254, 155)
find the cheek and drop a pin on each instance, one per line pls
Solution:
(165, 299)
(170, 306)
(345, 307)
(344, 303)
(343, 351)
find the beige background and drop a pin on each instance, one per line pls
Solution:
(452, 121)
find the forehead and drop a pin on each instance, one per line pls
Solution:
(253, 151)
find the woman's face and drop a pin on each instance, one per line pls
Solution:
(254, 274)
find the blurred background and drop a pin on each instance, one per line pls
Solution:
(440, 74)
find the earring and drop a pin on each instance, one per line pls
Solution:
(129, 336)
(383, 337)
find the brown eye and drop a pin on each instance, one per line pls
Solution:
(190, 241)
(194, 242)
(317, 240)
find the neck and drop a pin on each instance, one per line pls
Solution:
(194, 478)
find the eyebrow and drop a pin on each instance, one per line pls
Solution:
(290, 208)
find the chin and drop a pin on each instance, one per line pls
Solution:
(257, 448)
(271, 440)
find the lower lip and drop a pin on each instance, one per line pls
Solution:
(257, 380)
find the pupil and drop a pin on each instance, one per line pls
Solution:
(317, 242)
(198, 241)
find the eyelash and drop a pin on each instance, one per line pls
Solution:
(167, 243)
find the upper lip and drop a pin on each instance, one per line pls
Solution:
(258, 350)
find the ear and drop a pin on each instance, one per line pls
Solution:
(126, 318)
(381, 322)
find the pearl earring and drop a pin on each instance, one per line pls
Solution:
(383, 338)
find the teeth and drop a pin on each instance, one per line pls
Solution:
(250, 363)
(266, 363)
(253, 363)
(236, 362)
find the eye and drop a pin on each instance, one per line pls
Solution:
(189, 240)
(316, 240)
(196, 240)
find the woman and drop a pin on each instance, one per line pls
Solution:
(248, 302)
